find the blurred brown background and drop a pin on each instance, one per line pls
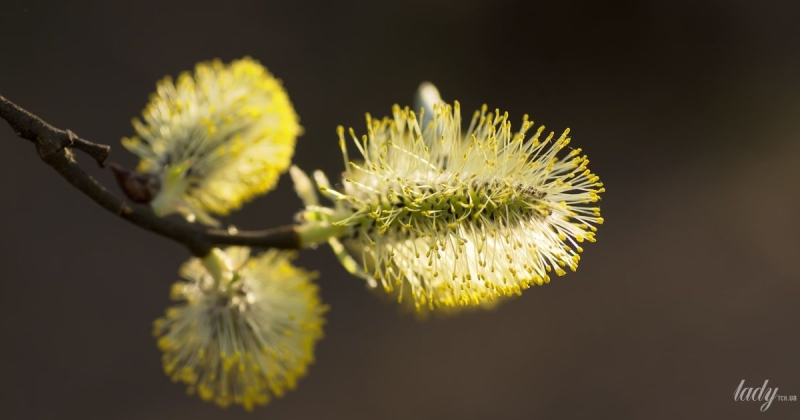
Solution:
(688, 111)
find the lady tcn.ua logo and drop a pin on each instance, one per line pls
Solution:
(763, 394)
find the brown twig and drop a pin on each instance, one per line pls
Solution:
(55, 146)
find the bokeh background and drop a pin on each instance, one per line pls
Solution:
(687, 109)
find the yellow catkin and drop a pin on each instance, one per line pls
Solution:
(445, 218)
(244, 329)
(215, 138)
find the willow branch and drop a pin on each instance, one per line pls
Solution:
(54, 146)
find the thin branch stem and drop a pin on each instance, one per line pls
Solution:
(54, 146)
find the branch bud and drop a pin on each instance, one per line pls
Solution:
(137, 187)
